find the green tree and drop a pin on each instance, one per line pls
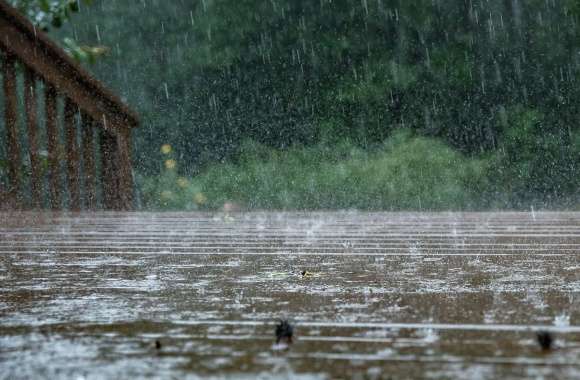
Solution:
(207, 75)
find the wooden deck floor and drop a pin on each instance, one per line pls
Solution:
(386, 295)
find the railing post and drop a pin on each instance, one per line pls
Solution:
(125, 172)
(11, 117)
(89, 171)
(52, 140)
(32, 125)
(109, 178)
(70, 111)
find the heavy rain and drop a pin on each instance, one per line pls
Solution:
(289, 189)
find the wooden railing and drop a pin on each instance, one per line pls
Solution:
(81, 158)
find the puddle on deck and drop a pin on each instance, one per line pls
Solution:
(386, 295)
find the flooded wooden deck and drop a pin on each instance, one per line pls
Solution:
(385, 295)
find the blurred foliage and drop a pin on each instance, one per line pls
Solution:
(494, 81)
(404, 173)
(169, 190)
(48, 14)
(536, 162)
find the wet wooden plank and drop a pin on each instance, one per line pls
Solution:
(72, 153)
(32, 129)
(408, 294)
(54, 186)
(11, 119)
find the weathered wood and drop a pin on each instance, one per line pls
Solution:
(125, 172)
(32, 127)
(11, 118)
(89, 170)
(73, 164)
(109, 170)
(20, 38)
(52, 144)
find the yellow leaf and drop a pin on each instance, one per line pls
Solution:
(170, 164)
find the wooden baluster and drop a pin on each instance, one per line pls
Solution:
(125, 171)
(32, 125)
(89, 171)
(11, 117)
(109, 174)
(52, 142)
(72, 152)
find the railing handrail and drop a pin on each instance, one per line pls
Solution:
(35, 42)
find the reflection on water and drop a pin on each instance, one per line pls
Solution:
(371, 295)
